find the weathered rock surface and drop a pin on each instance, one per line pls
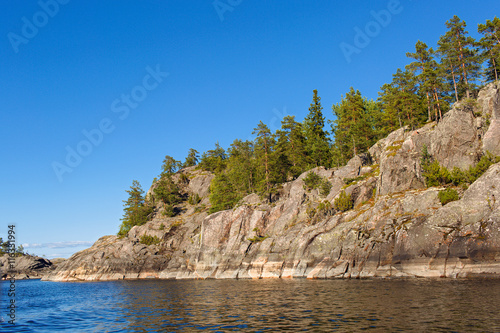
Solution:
(398, 227)
(25, 267)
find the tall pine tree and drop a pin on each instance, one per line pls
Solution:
(458, 50)
(264, 144)
(490, 44)
(352, 129)
(318, 144)
(136, 211)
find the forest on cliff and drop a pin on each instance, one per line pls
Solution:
(435, 78)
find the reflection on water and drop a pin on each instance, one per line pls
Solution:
(259, 305)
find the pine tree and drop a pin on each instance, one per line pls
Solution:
(167, 191)
(450, 65)
(214, 160)
(436, 74)
(352, 129)
(401, 101)
(170, 166)
(392, 115)
(422, 65)
(291, 148)
(191, 159)
(241, 168)
(264, 144)
(318, 144)
(222, 194)
(458, 50)
(136, 211)
(490, 44)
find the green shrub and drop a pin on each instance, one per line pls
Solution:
(162, 226)
(312, 180)
(325, 188)
(149, 240)
(458, 176)
(176, 224)
(167, 191)
(257, 239)
(484, 163)
(447, 195)
(194, 199)
(324, 208)
(343, 203)
(169, 211)
(183, 178)
(436, 175)
(349, 181)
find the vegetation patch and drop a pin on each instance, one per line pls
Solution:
(194, 199)
(343, 202)
(375, 171)
(448, 195)
(168, 211)
(149, 240)
(314, 181)
(257, 239)
(394, 147)
(437, 175)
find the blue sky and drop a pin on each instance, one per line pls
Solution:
(149, 78)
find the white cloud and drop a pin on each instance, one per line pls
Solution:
(57, 245)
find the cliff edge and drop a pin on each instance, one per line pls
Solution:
(397, 228)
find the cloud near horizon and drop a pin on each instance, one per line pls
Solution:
(57, 245)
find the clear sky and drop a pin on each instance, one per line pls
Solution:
(122, 84)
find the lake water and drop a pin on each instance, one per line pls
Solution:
(256, 306)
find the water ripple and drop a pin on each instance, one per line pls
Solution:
(257, 306)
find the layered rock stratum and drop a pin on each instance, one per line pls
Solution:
(25, 267)
(398, 227)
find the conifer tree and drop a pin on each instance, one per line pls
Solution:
(457, 49)
(170, 166)
(490, 44)
(214, 160)
(264, 144)
(136, 211)
(421, 64)
(241, 167)
(222, 195)
(400, 101)
(352, 129)
(392, 115)
(192, 158)
(318, 144)
(167, 191)
(291, 148)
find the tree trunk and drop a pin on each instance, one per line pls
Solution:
(454, 81)
(437, 100)
(462, 59)
(428, 108)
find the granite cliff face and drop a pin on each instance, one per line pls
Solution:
(25, 267)
(398, 227)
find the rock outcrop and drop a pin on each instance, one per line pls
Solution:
(398, 227)
(25, 267)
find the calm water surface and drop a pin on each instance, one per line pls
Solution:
(256, 306)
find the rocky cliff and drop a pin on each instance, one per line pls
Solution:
(398, 227)
(25, 267)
